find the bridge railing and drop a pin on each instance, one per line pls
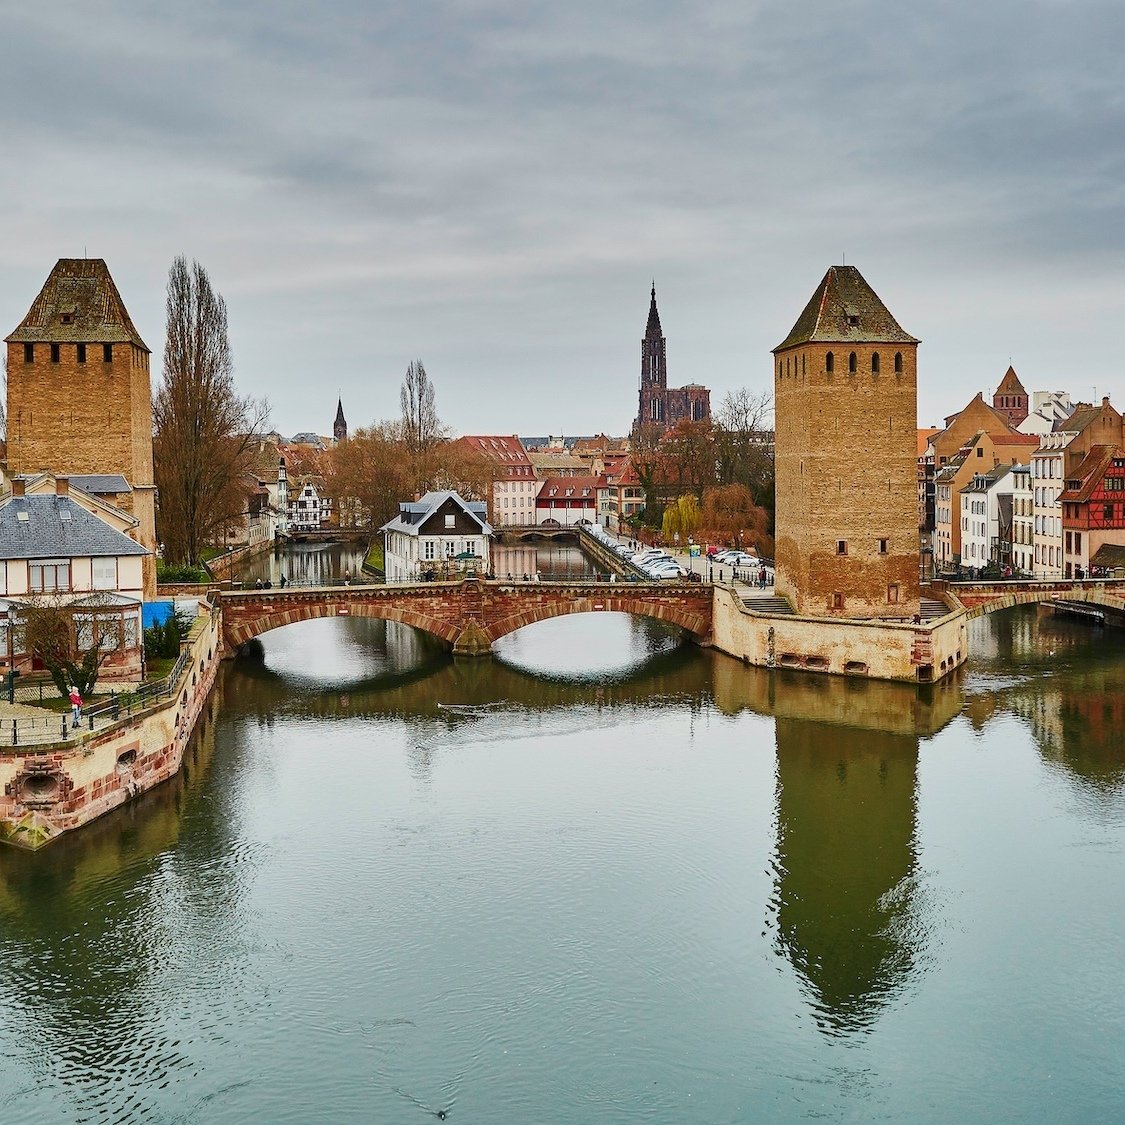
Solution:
(55, 727)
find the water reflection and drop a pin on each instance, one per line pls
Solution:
(93, 929)
(306, 564)
(398, 871)
(845, 866)
(1065, 679)
(552, 559)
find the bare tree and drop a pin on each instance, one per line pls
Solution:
(204, 433)
(421, 428)
(63, 637)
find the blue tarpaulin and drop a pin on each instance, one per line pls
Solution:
(156, 613)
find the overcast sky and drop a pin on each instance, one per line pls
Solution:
(492, 187)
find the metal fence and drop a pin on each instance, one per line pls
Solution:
(51, 728)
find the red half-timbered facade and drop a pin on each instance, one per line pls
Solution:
(1093, 509)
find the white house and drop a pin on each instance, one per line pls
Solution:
(440, 534)
(308, 509)
(71, 548)
(986, 519)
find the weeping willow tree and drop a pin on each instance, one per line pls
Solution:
(681, 518)
(204, 433)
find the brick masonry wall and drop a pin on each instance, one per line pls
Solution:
(847, 470)
(456, 611)
(93, 417)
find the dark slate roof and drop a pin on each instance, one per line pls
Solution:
(1109, 555)
(340, 419)
(841, 298)
(47, 533)
(78, 303)
(652, 329)
(414, 513)
(100, 484)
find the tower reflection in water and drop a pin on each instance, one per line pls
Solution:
(845, 908)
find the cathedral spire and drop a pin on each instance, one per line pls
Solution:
(652, 329)
(340, 426)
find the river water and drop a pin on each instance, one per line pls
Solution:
(602, 877)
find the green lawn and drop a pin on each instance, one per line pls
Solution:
(375, 558)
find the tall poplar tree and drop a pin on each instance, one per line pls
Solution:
(204, 434)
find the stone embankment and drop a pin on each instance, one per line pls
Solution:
(51, 783)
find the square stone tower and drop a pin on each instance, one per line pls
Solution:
(845, 393)
(79, 398)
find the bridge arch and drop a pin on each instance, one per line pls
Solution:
(238, 633)
(468, 615)
(988, 597)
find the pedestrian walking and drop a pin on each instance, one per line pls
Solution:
(75, 706)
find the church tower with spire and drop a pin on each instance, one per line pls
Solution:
(340, 426)
(1010, 398)
(654, 369)
(660, 405)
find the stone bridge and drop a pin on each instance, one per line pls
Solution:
(469, 615)
(980, 598)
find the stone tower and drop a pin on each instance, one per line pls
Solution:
(340, 426)
(654, 370)
(79, 399)
(1010, 398)
(845, 391)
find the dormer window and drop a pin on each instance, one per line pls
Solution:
(67, 318)
(853, 320)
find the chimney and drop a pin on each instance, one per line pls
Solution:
(18, 486)
(62, 486)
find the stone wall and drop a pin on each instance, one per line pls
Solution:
(54, 788)
(879, 650)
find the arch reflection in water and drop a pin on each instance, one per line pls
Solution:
(593, 647)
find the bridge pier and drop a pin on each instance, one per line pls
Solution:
(472, 641)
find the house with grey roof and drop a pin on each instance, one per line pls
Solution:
(66, 547)
(438, 535)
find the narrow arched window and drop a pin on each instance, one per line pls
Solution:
(898, 363)
(874, 363)
(851, 363)
(802, 363)
(828, 361)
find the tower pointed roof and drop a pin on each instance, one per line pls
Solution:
(78, 303)
(340, 419)
(653, 327)
(843, 309)
(1010, 384)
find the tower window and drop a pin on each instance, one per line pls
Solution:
(841, 546)
(892, 593)
(802, 363)
(29, 353)
(829, 362)
(107, 353)
(898, 363)
(54, 353)
(874, 363)
(81, 353)
(851, 363)
(882, 546)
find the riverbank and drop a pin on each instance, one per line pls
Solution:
(63, 782)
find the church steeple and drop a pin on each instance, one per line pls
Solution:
(340, 426)
(652, 329)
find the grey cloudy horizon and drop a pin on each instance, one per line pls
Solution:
(493, 187)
